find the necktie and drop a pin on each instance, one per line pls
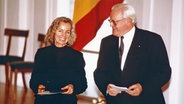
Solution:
(121, 49)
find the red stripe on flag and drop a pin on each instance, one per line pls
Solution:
(87, 27)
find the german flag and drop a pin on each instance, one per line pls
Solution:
(88, 18)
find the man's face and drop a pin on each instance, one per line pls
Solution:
(117, 22)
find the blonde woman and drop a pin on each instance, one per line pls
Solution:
(58, 69)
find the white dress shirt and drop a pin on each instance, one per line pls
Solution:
(127, 40)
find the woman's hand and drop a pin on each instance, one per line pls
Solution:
(41, 88)
(68, 89)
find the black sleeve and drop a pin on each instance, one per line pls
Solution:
(159, 70)
(79, 81)
(36, 76)
(101, 74)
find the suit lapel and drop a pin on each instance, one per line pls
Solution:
(134, 48)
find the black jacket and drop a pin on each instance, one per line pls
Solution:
(56, 68)
(146, 63)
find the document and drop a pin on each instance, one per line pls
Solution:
(48, 93)
(119, 88)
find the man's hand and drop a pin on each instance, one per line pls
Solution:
(134, 90)
(112, 91)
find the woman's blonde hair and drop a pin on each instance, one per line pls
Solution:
(49, 39)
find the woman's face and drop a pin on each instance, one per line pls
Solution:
(62, 34)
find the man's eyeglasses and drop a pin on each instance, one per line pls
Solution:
(115, 21)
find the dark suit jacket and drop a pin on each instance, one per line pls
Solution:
(146, 63)
(55, 68)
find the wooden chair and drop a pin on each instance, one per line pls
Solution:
(22, 67)
(7, 58)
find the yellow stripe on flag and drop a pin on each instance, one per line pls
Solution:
(88, 18)
(82, 7)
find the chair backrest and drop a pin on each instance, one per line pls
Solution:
(41, 38)
(16, 33)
